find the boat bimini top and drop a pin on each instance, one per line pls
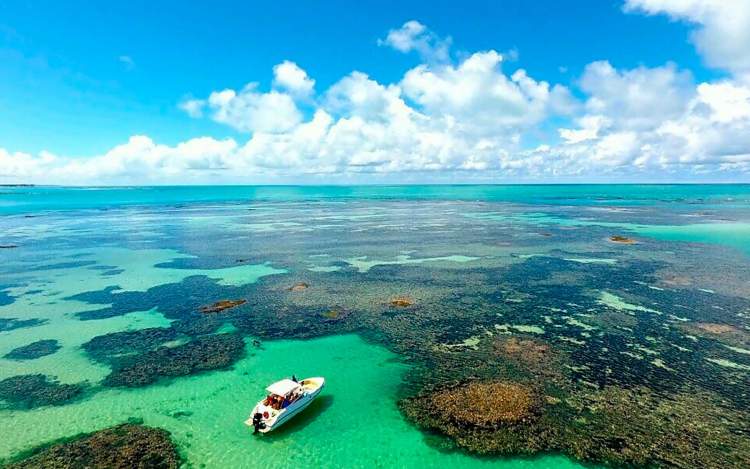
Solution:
(283, 388)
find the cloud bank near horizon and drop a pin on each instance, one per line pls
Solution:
(457, 119)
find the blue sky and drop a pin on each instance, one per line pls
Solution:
(79, 79)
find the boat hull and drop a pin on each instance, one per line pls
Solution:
(311, 391)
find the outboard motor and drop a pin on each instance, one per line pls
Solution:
(258, 423)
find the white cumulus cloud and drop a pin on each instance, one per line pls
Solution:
(723, 28)
(467, 120)
(289, 76)
(414, 36)
(250, 110)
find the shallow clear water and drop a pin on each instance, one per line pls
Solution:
(354, 423)
(90, 262)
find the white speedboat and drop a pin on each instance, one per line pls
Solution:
(286, 398)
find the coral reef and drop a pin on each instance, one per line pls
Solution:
(401, 302)
(714, 328)
(336, 314)
(126, 446)
(299, 286)
(109, 346)
(622, 239)
(34, 350)
(583, 373)
(485, 405)
(497, 417)
(722, 332)
(636, 427)
(221, 305)
(30, 391)
(528, 352)
(615, 426)
(8, 324)
(201, 354)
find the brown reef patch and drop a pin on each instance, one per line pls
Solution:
(485, 404)
(622, 239)
(401, 302)
(531, 357)
(299, 286)
(221, 305)
(725, 333)
(716, 328)
(498, 417)
(122, 447)
(335, 314)
(526, 351)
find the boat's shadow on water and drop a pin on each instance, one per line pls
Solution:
(300, 421)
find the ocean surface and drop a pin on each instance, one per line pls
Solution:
(628, 290)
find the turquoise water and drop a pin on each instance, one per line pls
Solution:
(481, 263)
(733, 235)
(28, 199)
(354, 423)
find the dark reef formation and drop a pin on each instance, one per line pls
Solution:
(40, 348)
(639, 427)
(30, 391)
(107, 347)
(8, 324)
(618, 427)
(201, 354)
(125, 446)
